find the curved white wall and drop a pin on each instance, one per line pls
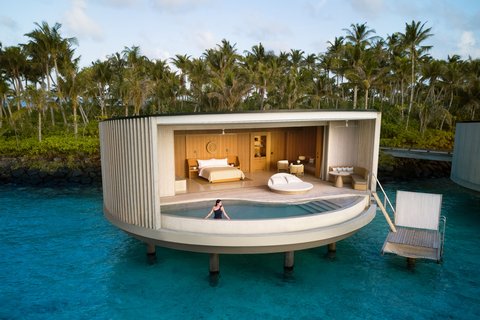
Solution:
(268, 226)
(129, 168)
(466, 155)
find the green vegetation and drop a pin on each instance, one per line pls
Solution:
(50, 147)
(50, 107)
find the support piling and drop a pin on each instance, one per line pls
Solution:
(332, 247)
(214, 263)
(151, 250)
(289, 260)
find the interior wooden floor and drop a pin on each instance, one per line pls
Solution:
(255, 187)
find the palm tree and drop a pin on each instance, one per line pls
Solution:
(137, 84)
(229, 82)
(369, 71)
(257, 64)
(412, 38)
(431, 105)
(4, 89)
(38, 99)
(452, 79)
(336, 52)
(102, 77)
(183, 63)
(117, 87)
(46, 46)
(359, 38)
(13, 60)
(471, 88)
(71, 86)
(400, 69)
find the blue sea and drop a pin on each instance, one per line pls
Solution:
(60, 259)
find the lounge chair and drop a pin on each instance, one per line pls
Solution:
(417, 224)
(288, 184)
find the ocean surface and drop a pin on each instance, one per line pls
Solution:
(60, 259)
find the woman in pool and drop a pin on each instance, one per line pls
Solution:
(218, 210)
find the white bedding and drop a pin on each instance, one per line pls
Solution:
(213, 174)
(218, 169)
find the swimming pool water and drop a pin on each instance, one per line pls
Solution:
(236, 210)
(60, 259)
(245, 210)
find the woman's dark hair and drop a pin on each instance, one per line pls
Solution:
(218, 201)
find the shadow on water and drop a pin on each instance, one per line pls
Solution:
(214, 279)
(330, 256)
(288, 275)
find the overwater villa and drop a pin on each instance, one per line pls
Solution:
(157, 186)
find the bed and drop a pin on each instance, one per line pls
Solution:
(219, 170)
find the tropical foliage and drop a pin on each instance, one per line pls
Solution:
(43, 92)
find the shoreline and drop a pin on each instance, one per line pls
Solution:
(86, 171)
(58, 172)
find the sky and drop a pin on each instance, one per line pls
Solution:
(164, 28)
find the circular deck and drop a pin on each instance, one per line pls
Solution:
(256, 235)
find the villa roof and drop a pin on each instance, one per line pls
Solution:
(291, 113)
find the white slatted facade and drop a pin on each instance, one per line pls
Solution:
(466, 155)
(128, 171)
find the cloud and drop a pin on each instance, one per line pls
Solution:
(467, 45)
(370, 8)
(8, 22)
(177, 6)
(120, 3)
(157, 53)
(258, 28)
(80, 23)
(204, 40)
(315, 8)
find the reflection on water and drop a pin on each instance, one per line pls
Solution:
(62, 260)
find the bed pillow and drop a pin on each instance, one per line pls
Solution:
(213, 163)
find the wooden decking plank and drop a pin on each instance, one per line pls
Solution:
(415, 237)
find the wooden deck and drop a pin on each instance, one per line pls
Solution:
(414, 243)
(255, 188)
(415, 237)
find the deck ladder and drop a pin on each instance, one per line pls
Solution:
(422, 239)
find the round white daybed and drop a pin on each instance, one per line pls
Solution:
(288, 184)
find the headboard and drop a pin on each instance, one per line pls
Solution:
(192, 162)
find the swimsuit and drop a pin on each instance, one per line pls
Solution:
(218, 213)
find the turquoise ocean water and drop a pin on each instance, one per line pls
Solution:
(60, 259)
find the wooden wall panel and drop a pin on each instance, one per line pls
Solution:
(243, 145)
(180, 156)
(278, 139)
(285, 143)
(225, 145)
(309, 142)
(301, 142)
(319, 152)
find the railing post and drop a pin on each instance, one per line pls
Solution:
(387, 217)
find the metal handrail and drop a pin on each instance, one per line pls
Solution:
(384, 194)
(443, 220)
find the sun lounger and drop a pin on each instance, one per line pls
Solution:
(288, 184)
